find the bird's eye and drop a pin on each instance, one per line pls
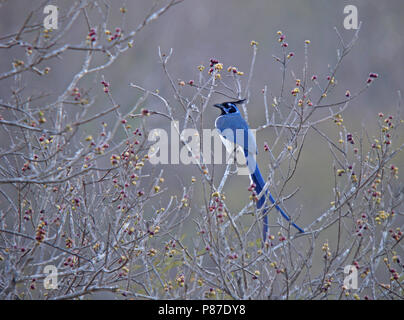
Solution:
(231, 108)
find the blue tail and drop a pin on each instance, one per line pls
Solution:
(260, 183)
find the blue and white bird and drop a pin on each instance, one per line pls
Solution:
(234, 130)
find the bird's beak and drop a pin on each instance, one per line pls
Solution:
(218, 106)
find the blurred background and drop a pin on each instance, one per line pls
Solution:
(200, 30)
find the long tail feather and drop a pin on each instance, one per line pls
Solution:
(259, 182)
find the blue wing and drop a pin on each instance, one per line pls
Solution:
(228, 126)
